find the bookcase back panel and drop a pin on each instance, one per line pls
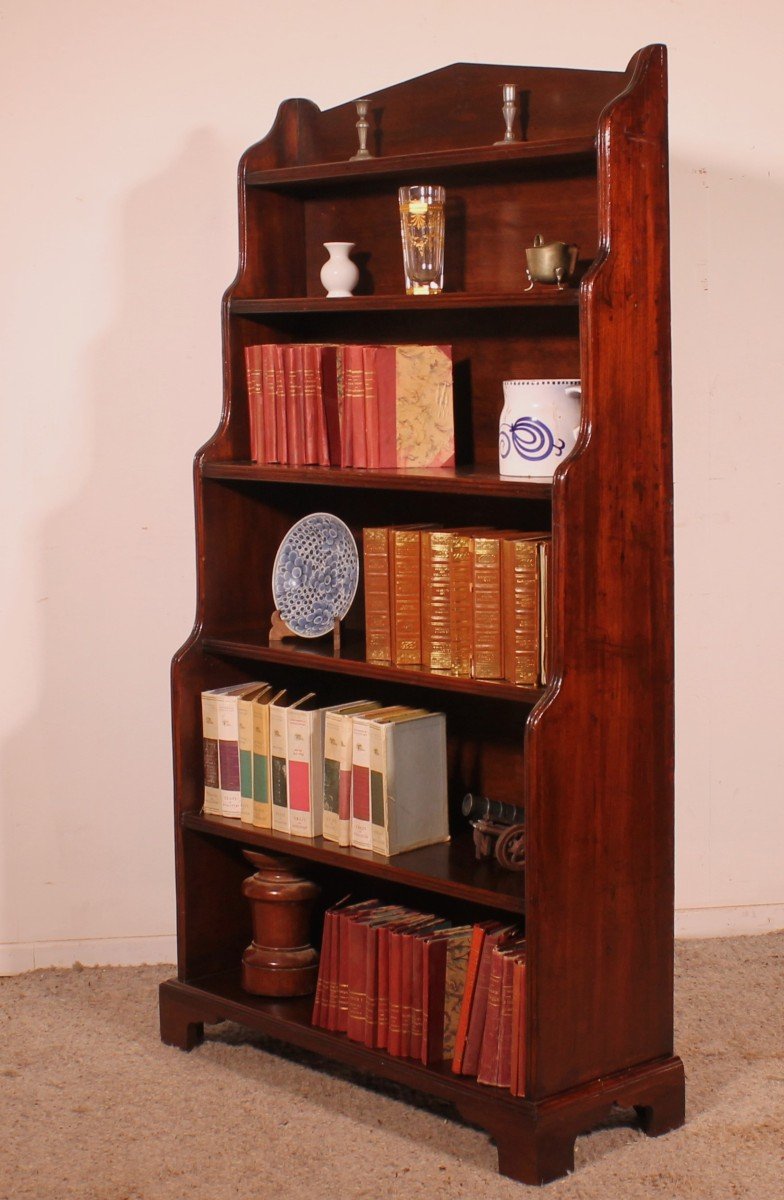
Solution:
(488, 346)
(275, 249)
(488, 226)
(219, 925)
(454, 107)
(244, 523)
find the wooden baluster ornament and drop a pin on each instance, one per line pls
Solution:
(280, 960)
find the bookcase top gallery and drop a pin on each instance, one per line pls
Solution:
(589, 756)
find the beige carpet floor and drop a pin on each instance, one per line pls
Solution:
(93, 1106)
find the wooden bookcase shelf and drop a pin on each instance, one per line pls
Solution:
(466, 480)
(590, 756)
(318, 656)
(449, 868)
(539, 297)
(492, 160)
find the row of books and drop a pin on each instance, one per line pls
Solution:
(351, 405)
(357, 774)
(460, 601)
(418, 987)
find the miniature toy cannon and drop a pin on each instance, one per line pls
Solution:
(499, 830)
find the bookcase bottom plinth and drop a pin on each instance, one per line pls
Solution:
(536, 1144)
(535, 1139)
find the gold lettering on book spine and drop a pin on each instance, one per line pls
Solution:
(488, 650)
(378, 633)
(405, 569)
(521, 608)
(356, 1005)
(436, 619)
(461, 603)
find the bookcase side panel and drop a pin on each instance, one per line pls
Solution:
(600, 746)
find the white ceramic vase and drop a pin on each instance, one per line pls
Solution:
(339, 274)
(539, 426)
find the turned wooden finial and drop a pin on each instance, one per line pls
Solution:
(280, 960)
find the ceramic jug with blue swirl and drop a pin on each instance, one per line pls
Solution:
(539, 426)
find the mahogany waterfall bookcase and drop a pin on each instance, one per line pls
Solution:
(589, 756)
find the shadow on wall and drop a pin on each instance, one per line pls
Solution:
(87, 843)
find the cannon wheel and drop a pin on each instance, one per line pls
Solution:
(510, 848)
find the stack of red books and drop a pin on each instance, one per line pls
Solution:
(350, 405)
(416, 986)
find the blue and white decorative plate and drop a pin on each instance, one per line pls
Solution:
(315, 575)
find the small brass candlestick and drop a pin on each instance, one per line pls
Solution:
(509, 109)
(363, 125)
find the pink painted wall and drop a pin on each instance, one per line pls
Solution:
(122, 128)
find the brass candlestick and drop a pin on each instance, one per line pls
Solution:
(509, 109)
(363, 125)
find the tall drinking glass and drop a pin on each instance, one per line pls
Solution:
(422, 231)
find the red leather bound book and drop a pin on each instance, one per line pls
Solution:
(382, 1009)
(406, 991)
(332, 397)
(411, 997)
(371, 406)
(253, 375)
(345, 918)
(295, 404)
(311, 388)
(354, 404)
(396, 941)
(417, 988)
(394, 1041)
(382, 917)
(357, 956)
(476, 1020)
(314, 368)
(488, 1058)
(504, 1072)
(381, 1036)
(326, 1002)
(333, 973)
(386, 398)
(281, 409)
(517, 1052)
(371, 985)
(318, 1015)
(268, 386)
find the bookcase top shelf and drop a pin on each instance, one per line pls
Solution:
(541, 297)
(468, 480)
(448, 868)
(316, 655)
(492, 159)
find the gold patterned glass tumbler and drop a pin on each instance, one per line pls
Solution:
(422, 231)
